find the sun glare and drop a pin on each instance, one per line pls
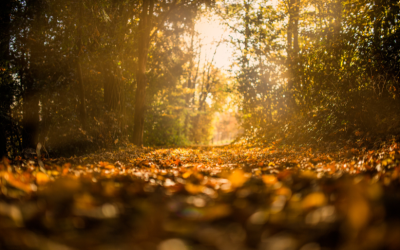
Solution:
(214, 38)
(212, 33)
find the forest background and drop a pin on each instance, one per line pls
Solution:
(80, 76)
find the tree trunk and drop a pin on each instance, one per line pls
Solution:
(113, 96)
(246, 86)
(145, 25)
(112, 88)
(81, 89)
(337, 34)
(30, 121)
(292, 53)
(30, 77)
(378, 13)
(81, 95)
(296, 10)
(3, 141)
(5, 104)
(190, 82)
(297, 68)
(247, 34)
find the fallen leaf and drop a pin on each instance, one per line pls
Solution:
(314, 200)
(237, 178)
(42, 178)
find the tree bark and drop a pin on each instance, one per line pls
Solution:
(30, 121)
(113, 96)
(30, 76)
(112, 88)
(378, 13)
(145, 25)
(297, 67)
(247, 34)
(190, 82)
(292, 50)
(296, 10)
(81, 89)
(337, 34)
(245, 60)
(5, 104)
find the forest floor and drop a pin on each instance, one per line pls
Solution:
(235, 197)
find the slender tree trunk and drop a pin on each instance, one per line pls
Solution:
(3, 141)
(337, 34)
(245, 61)
(113, 96)
(289, 31)
(81, 95)
(247, 34)
(378, 13)
(107, 74)
(112, 87)
(81, 89)
(190, 83)
(30, 121)
(338, 19)
(292, 53)
(5, 126)
(30, 77)
(297, 68)
(145, 25)
(296, 10)
(113, 99)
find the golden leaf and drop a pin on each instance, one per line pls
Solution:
(269, 179)
(194, 189)
(314, 200)
(42, 178)
(237, 178)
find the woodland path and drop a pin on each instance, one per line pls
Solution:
(271, 197)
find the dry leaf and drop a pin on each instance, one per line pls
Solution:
(314, 200)
(237, 178)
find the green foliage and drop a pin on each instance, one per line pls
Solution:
(336, 69)
(69, 74)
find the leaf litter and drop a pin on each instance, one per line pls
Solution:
(274, 197)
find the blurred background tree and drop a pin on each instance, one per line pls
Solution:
(72, 73)
(86, 75)
(328, 69)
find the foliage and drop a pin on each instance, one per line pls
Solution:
(69, 74)
(333, 68)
